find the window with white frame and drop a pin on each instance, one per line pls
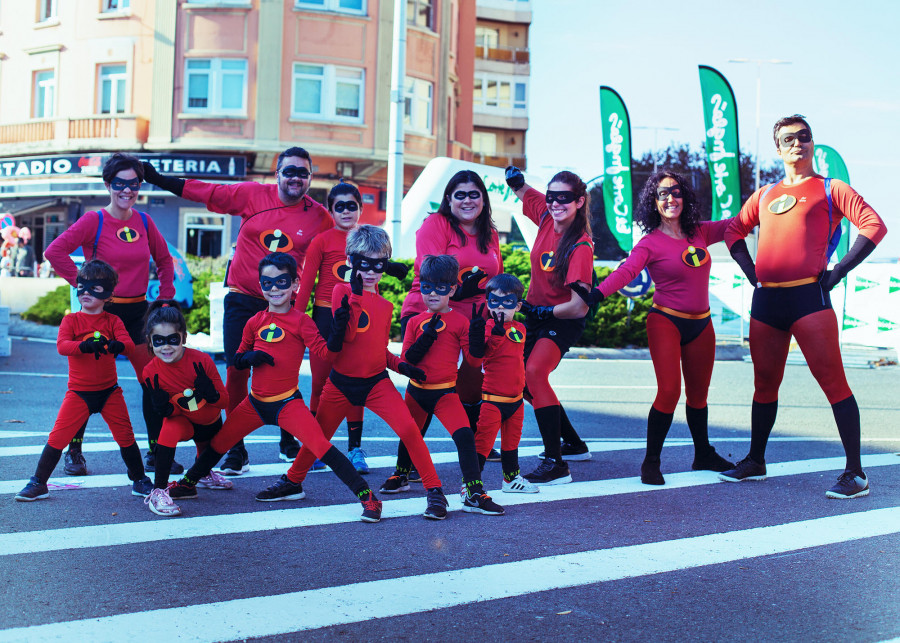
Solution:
(487, 37)
(418, 98)
(46, 10)
(500, 95)
(205, 233)
(111, 92)
(112, 6)
(215, 86)
(484, 143)
(328, 92)
(341, 6)
(44, 93)
(420, 13)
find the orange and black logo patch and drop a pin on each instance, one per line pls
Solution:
(128, 235)
(441, 325)
(271, 333)
(188, 401)
(276, 241)
(341, 271)
(548, 261)
(695, 257)
(782, 204)
(100, 337)
(465, 272)
(364, 322)
(515, 335)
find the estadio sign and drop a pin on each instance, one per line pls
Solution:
(188, 165)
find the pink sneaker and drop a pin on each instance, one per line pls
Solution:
(161, 504)
(215, 481)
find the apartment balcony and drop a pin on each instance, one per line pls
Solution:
(499, 161)
(503, 60)
(101, 132)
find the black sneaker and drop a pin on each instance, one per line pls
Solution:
(712, 461)
(481, 503)
(650, 473)
(150, 465)
(75, 464)
(850, 484)
(283, 489)
(236, 463)
(181, 491)
(142, 487)
(287, 452)
(493, 456)
(34, 490)
(572, 453)
(550, 472)
(371, 508)
(437, 504)
(395, 484)
(746, 469)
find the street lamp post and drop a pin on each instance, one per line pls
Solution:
(656, 140)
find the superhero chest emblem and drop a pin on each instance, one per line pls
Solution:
(271, 333)
(695, 257)
(548, 261)
(465, 272)
(441, 325)
(364, 323)
(782, 204)
(513, 334)
(276, 240)
(341, 271)
(96, 335)
(128, 235)
(188, 401)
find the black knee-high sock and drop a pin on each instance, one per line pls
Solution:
(658, 424)
(472, 412)
(286, 438)
(345, 471)
(131, 455)
(165, 456)
(566, 431)
(846, 414)
(548, 421)
(464, 439)
(404, 462)
(152, 419)
(698, 423)
(47, 463)
(354, 435)
(75, 443)
(762, 419)
(509, 460)
(202, 466)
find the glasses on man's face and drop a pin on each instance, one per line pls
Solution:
(664, 193)
(427, 288)
(281, 282)
(292, 171)
(562, 197)
(786, 140)
(120, 184)
(461, 195)
(349, 206)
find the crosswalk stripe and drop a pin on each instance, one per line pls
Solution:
(248, 522)
(356, 602)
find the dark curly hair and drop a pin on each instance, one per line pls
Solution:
(484, 224)
(646, 213)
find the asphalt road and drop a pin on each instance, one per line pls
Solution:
(603, 558)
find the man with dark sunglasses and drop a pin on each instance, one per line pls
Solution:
(275, 217)
(797, 219)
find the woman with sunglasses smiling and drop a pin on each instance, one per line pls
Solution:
(679, 327)
(125, 239)
(562, 255)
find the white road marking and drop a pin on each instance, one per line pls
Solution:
(357, 602)
(171, 529)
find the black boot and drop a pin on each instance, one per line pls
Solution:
(705, 456)
(658, 424)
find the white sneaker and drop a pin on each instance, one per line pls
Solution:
(161, 504)
(520, 485)
(215, 481)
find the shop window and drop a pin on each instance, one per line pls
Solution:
(204, 234)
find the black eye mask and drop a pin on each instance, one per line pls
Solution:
(281, 282)
(427, 288)
(88, 285)
(161, 340)
(363, 263)
(507, 302)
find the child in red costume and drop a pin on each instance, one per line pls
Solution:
(433, 341)
(186, 390)
(273, 344)
(359, 376)
(91, 339)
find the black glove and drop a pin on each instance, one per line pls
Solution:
(861, 249)
(741, 255)
(169, 183)
(412, 372)
(97, 346)
(514, 177)
(476, 332)
(419, 348)
(497, 328)
(469, 286)
(204, 389)
(396, 269)
(356, 284)
(537, 313)
(339, 326)
(159, 399)
(253, 358)
(590, 297)
(115, 346)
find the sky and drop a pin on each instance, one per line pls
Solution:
(844, 77)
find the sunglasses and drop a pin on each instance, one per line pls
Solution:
(292, 171)
(664, 193)
(563, 197)
(161, 340)
(786, 140)
(363, 263)
(507, 302)
(441, 289)
(281, 282)
(120, 184)
(461, 195)
(349, 206)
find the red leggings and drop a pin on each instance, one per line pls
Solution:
(543, 360)
(236, 385)
(817, 336)
(491, 422)
(74, 412)
(448, 410)
(670, 358)
(177, 428)
(386, 403)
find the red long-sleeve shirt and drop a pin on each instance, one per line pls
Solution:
(285, 337)
(442, 359)
(326, 258)
(86, 372)
(504, 360)
(267, 225)
(178, 377)
(365, 352)
(128, 251)
(793, 226)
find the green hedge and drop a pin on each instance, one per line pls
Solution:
(51, 308)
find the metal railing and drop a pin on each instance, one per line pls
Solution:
(503, 54)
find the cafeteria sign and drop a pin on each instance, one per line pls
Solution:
(187, 165)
